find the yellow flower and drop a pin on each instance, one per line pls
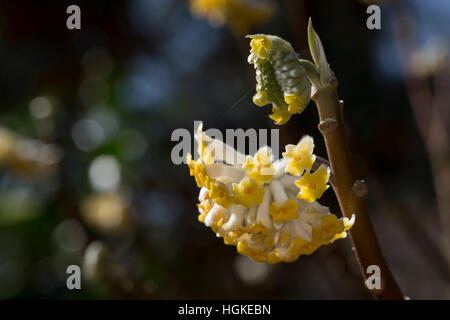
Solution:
(197, 169)
(260, 167)
(191, 164)
(247, 192)
(303, 247)
(286, 212)
(260, 46)
(232, 237)
(348, 223)
(258, 227)
(330, 230)
(260, 98)
(312, 186)
(258, 213)
(280, 116)
(330, 226)
(245, 249)
(219, 193)
(296, 103)
(218, 222)
(280, 76)
(281, 251)
(203, 208)
(300, 157)
(256, 246)
(201, 178)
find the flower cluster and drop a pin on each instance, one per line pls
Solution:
(239, 15)
(266, 208)
(281, 78)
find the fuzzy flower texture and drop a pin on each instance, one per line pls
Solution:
(281, 78)
(266, 208)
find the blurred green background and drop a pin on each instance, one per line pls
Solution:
(86, 118)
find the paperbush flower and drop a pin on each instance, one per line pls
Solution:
(300, 156)
(260, 167)
(280, 77)
(267, 219)
(312, 186)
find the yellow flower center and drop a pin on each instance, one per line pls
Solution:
(312, 186)
(259, 45)
(298, 157)
(248, 190)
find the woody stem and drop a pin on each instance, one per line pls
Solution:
(350, 191)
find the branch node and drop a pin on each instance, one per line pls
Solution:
(360, 188)
(327, 126)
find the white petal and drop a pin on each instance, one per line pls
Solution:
(212, 215)
(302, 229)
(224, 152)
(288, 182)
(279, 168)
(203, 194)
(251, 215)
(236, 218)
(224, 173)
(278, 192)
(263, 214)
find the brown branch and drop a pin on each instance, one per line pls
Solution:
(350, 191)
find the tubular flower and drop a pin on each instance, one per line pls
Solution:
(247, 192)
(197, 169)
(219, 193)
(280, 116)
(312, 186)
(287, 211)
(260, 47)
(300, 156)
(280, 76)
(239, 15)
(260, 167)
(265, 221)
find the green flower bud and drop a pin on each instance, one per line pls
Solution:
(281, 78)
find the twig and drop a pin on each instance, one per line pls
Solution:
(348, 190)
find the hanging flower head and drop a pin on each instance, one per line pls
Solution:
(266, 208)
(280, 75)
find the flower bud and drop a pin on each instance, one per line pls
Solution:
(281, 78)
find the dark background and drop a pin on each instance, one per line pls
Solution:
(112, 93)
